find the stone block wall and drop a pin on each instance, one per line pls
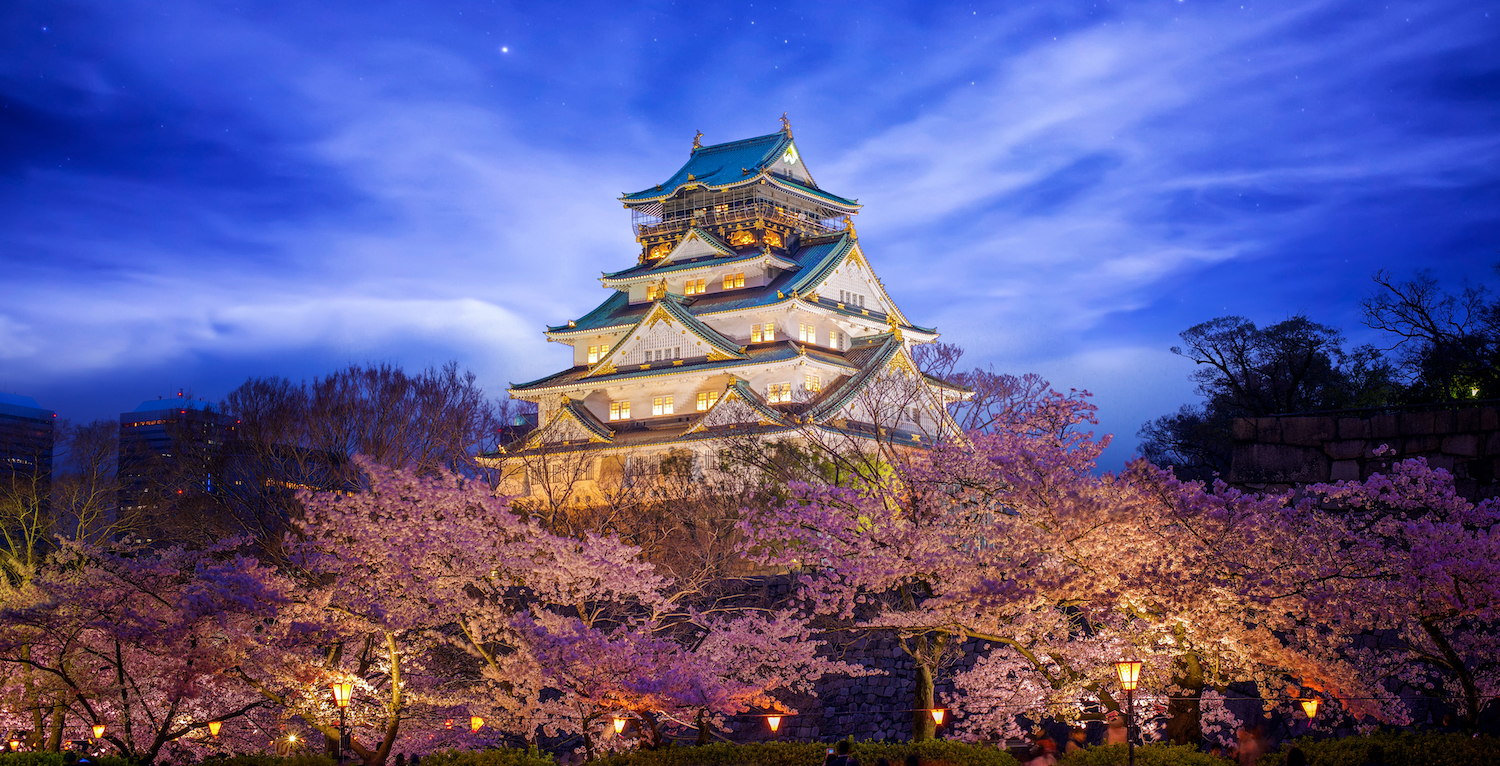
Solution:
(1289, 450)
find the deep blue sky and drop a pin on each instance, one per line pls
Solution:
(193, 193)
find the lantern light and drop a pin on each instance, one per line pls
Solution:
(475, 724)
(619, 725)
(1310, 707)
(1129, 672)
(774, 721)
(98, 730)
(343, 691)
(291, 737)
(15, 744)
(937, 715)
(213, 727)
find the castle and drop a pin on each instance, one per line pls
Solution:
(752, 310)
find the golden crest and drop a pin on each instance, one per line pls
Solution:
(741, 238)
(773, 239)
(661, 250)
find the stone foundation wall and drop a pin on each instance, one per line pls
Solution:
(872, 707)
(1290, 450)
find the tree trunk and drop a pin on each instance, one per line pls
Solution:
(1184, 714)
(922, 725)
(1456, 664)
(54, 742)
(705, 728)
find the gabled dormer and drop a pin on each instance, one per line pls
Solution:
(666, 336)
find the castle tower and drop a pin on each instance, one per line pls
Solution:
(752, 309)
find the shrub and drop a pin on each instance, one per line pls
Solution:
(270, 759)
(1400, 750)
(1154, 754)
(501, 757)
(55, 759)
(932, 752)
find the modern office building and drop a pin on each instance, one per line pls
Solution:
(27, 436)
(167, 447)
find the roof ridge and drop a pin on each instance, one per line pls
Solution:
(737, 142)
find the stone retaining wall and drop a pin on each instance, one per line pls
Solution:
(1291, 450)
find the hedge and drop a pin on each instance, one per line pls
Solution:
(1154, 754)
(933, 752)
(56, 759)
(1400, 750)
(502, 757)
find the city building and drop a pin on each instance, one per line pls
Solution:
(752, 308)
(27, 436)
(167, 446)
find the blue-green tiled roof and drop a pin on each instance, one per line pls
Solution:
(776, 353)
(721, 164)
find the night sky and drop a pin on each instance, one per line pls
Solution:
(194, 193)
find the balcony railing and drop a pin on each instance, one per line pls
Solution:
(649, 225)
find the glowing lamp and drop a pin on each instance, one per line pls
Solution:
(619, 725)
(448, 725)
(774, 721)
(475, 724)
(937, 715)
(15, 744)
(1310, 707)
(291, 737)
(98, 730)
(1129, 672)
(343, 691)
(213, 727)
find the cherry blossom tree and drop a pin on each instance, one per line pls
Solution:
(459, 602)
(143, 641)
(1419, 562)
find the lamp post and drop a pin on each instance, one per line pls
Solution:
(1129, 672)
(774, 721)
(343, 691)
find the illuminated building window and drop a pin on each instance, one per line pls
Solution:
(807, 333)
(650, 292)
(742, 238)
(779, 392)
(732, 281)
(707, 399)
(619, 410)
(594, 353)
(696, 287)
(814, 382)
(661, 405)
(721, 208)
(773, 239)
(837, 339)
(763, 333)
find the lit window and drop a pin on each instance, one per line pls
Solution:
(707, 399)
(779, 392)
(769, 333)
(721, 208)
(731, 281)
(807, 333)
(755, 333)
(814, 382)
(650, 292)
(596, 353)
(696, 287)
(661, 405)
(619, 410)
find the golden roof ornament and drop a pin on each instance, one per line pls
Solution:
(698, 140)
(849, 227)
(786, 125)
